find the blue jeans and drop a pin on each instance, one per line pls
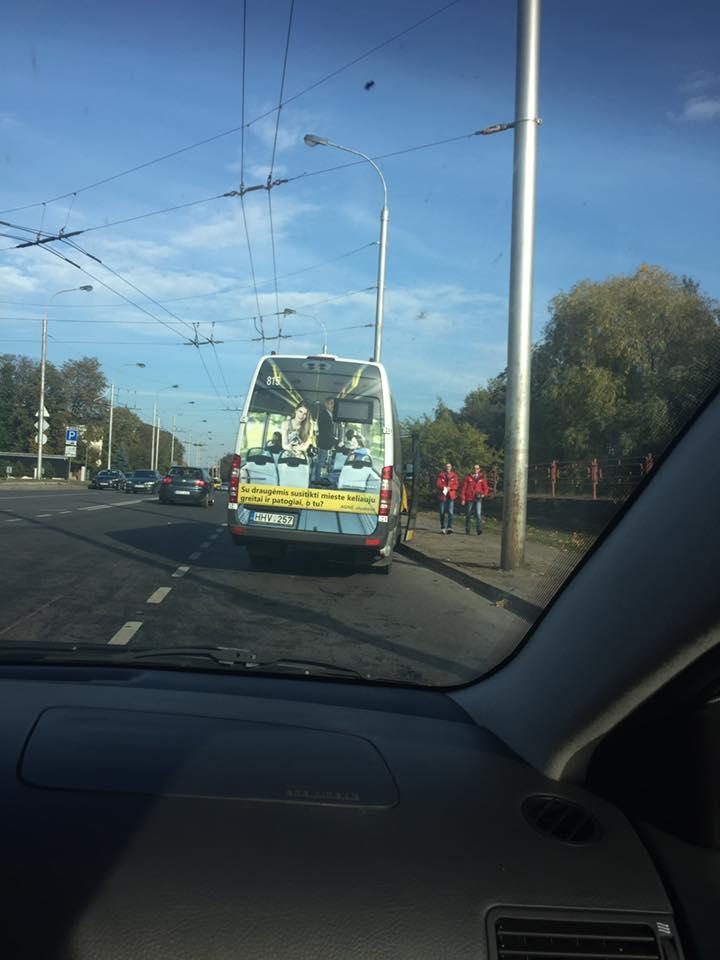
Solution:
(473, 507)
(447, 509)
(323, 457)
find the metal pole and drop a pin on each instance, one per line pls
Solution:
(41, 409)
(172, 441)
(314, 141)
(152, 441)
(157, 444)
(517, 411)
(380, 302)
(110, 426)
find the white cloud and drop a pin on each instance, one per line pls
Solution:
(702, 108)
(700, 80)
(227, 229)
(12, 279)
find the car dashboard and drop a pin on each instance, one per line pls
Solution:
(168, 814)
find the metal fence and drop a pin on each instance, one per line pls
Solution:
(595, 479)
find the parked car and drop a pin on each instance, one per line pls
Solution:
(143, 481)
(107, 480)
(186, 485)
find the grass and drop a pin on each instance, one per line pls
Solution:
(576, 541)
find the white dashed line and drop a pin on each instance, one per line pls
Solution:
(204, 546)
(15, 520)
(64, 511)
(181, 571)
(193, 556)
(159, 595)
(43, 514)
(214, 536)
(220, 529)
(125, 634)
(98, 506)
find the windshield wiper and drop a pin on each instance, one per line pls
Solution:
(235, 657)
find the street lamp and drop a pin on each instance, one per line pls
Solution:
(86, 288)
(288, 312)
(312, 140)
(155, 445)
(112, 410)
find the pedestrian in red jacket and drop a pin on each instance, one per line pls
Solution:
(474, 488)
(447, 484)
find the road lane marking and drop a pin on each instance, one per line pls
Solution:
(125, 634)
(43, 514)
(159, 595)
(204, 546)
(220, 529)
(214, 536)
(98, 506)
(181, 571)
(28, 616)
(193, 556)
(15, 520)
(61, 512)
(38, 496)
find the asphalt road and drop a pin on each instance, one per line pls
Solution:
(107, 567)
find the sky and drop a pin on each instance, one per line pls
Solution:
(627, 173)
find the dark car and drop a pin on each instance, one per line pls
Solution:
(186, 485)
(143, 481)
(107, 480)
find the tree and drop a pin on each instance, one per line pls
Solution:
(447, 438)
(622, 364)
(484, 408)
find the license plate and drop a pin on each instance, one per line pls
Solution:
(182, 493)
(274, 519)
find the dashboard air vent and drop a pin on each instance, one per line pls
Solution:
(526, 938)
(561, 819)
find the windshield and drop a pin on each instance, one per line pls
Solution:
(391, 353)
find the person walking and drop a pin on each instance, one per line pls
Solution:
(474, 488)
(447, 484)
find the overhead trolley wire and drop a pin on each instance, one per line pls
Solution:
(243, 125)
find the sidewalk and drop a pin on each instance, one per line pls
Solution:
(474, 561)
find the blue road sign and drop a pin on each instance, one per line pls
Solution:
(71, 435)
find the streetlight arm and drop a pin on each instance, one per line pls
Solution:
(376, 168)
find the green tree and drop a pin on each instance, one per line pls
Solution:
(484, 408)
(622, 364)
(444, 438)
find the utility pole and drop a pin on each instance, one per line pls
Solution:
(517, 407)
(41, 409)
(110, 426)
(157, 444)
(380, 299)
(152, 442)
(172, 441)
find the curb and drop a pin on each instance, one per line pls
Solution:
(522, 608)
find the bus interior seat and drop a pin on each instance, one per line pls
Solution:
(293, 470)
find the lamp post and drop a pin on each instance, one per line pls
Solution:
(288, 312)
(86, 288)
(314, 141)
(155, 442)
(112, 411)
